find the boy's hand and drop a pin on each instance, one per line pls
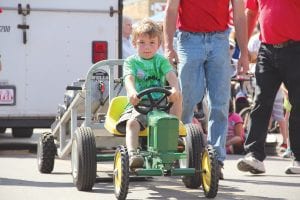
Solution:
(133, 99)
(175, 94)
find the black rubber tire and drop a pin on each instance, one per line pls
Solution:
(194, 146)
(121, 173)
(84, 161)
(22, 132)
(2, 130)
(210, 180)
(46, 151)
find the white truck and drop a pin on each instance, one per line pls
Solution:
(45, 46)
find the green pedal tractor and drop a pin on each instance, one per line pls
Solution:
(163, 155)
(87, 117)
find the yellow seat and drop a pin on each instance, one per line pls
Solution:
(116, 108)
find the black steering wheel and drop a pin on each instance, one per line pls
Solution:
(162, 103)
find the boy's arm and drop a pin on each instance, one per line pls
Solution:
(173, 82)
(131, 91)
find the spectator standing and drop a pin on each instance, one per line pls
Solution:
(127, 48)
(203, 58)
(278, 110)
(278, 61)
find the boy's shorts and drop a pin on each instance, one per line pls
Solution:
(131, 113)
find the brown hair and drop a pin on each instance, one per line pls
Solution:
(147, 27)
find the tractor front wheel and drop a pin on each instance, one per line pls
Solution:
(209, 175)
(121, 173)
(194, 147)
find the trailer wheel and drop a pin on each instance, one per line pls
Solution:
(22, 132)
(46, 151)
(121, 173)
(194, 147)
(84, 159)
(209, 175)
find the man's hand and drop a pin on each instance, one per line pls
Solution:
(243, 65)
(171, 55)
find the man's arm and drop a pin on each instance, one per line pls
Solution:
(240, 24)
(252, 16)
(170, 28)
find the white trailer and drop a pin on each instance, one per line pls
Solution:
(45, 46)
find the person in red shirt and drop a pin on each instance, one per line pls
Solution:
(203, 59)
(278, 62)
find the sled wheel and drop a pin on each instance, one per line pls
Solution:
(194, 146)
(209, 175)
(84, 159)
(46, 151)
(121, 173)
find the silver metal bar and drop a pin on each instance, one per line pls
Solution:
(64, 10)
(63, 153)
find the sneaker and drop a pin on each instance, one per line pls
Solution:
(283, 147)
(294, 168)
(287, 153)
(135, 160)
(251, 164)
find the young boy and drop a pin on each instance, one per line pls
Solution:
(143, 70)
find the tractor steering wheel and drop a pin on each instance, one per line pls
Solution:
(161, 103)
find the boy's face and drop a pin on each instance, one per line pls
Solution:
(147, 46)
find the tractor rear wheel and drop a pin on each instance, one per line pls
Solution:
(194, 147)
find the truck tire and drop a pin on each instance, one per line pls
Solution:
(22, 132)
(2, 130)
(46, 151)
(194, 147)
(83, 159)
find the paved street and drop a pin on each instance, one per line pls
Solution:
(20, 179)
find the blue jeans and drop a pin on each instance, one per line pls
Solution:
(204, 66)
(274, 66)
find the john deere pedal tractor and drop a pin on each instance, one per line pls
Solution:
(194, 160)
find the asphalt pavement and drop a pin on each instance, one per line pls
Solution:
(274, 184)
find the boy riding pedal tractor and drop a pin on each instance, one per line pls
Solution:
(144, 70)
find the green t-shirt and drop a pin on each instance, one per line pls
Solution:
(147, 73)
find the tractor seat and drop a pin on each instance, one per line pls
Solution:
(116, 108)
